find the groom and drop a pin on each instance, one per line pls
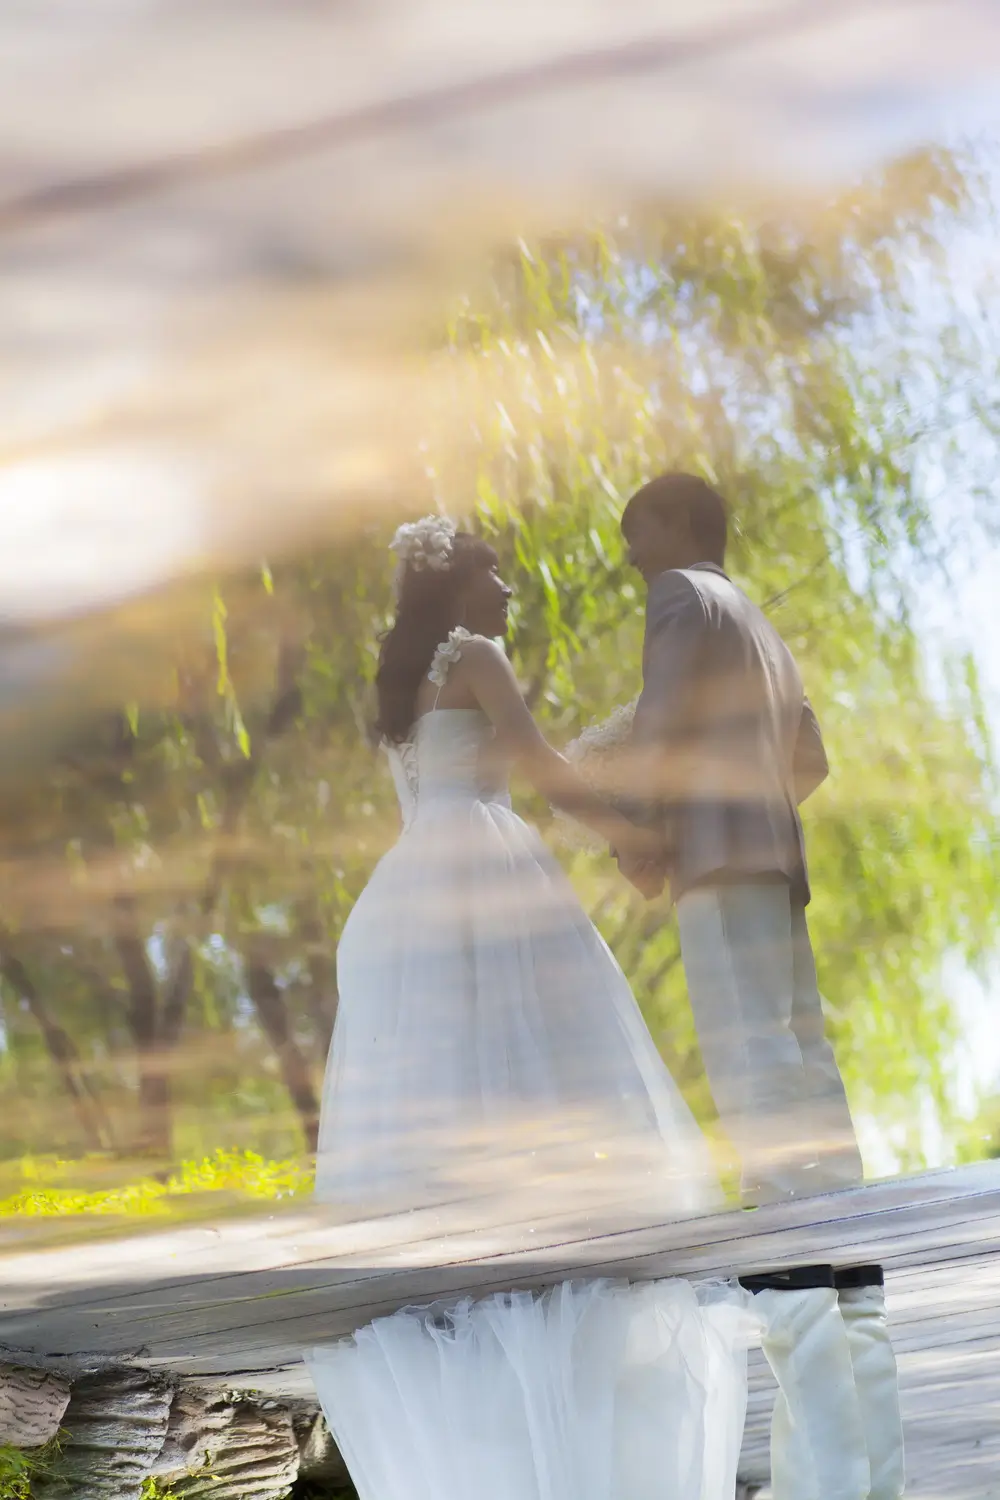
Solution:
(724, 747)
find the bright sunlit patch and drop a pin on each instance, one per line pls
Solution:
(82, 532)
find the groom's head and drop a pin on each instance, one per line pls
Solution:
(674, 521)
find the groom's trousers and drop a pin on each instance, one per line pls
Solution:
(751, 979)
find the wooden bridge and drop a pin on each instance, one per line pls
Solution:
(236, 1300)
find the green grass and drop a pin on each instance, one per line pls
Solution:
(152, 1490)
(18, 1466)
(46, 1189)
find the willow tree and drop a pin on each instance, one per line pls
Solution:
(222, 829)
(791, 363)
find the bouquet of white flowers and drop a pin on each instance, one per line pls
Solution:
(593, 754)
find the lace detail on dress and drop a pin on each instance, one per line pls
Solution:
(447, 654)
(408, 761)
(403, 764)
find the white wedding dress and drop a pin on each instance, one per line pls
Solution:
(487, 1042)
(488, 1047)
(591, 1391)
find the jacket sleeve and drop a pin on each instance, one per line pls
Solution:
(675, 626)
(810, 767)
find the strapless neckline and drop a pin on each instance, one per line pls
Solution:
(432, 713)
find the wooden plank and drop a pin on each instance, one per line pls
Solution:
(153, 1318)
(239, 1301)
(278, 1242)
(876, 1223)
(952, 1427)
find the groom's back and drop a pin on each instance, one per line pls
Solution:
(750, 690)
(726, 699)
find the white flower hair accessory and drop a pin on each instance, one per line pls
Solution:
(423, 544)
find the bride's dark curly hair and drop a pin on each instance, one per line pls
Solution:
(428, 609)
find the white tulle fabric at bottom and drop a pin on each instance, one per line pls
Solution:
(590, 1391)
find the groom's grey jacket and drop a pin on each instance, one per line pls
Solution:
(724, 745)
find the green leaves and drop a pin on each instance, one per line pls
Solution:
(224, 684)
(788, 362)
(760, 357)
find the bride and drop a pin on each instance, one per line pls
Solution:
(488, 1046)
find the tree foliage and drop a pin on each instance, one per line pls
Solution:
(169, 973)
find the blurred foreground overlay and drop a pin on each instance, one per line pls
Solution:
(298, 270)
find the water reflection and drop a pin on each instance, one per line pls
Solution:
(201, 374)
(273, 278)
(191, 804)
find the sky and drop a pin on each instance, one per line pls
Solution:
(969, 616)
(964, 612)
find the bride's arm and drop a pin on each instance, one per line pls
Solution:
(491, 679)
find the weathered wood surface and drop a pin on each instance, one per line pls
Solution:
(114, 1427)
(32, 1403)
(239, 1302)
(946, 1330)
(248, 1452)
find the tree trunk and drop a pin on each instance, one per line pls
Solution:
(319, 1456)
(155, 1125)
(123, 1425)
(322, 988)
(243, 1450)
(93, 1121)
(272, 1010)
(177, 992)
(32, 1404)
(115, 1426)
(198, 1424)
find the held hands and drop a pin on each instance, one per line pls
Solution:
(640, 855)
(636, 844)
(647, 875)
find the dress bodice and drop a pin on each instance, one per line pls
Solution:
(450, 753)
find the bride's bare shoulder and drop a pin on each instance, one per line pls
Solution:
(487, 670)
(482, 654)
(483, 648)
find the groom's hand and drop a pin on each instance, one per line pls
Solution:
(646, 875)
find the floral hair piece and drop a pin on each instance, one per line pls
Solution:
(427, 543)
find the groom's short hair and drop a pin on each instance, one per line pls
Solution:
(706, 509)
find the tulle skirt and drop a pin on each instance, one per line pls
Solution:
(590, 1391)
(487, 1041)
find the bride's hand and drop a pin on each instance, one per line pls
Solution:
(494, 685)
(647, 876)
(638, 845)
